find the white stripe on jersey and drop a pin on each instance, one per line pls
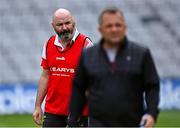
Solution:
(44, 51)
(88, 43)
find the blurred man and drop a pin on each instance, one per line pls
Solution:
(59, 60)
(119, 76)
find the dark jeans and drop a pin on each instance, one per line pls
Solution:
(53, 120)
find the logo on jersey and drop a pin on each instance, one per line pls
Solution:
(60, 58)
(65, 70)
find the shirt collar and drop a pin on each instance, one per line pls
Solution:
(57, 43)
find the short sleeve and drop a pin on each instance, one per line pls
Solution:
(88, 43)
(44, 58)
(44, 64)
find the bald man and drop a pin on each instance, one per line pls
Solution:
(59, 60)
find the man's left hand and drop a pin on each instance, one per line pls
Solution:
(147, 121)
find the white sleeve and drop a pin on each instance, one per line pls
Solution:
(88, 43)
(44, 51)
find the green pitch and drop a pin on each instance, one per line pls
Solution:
(166, 118)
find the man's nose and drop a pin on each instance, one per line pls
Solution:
(114, 28)
(64, 27)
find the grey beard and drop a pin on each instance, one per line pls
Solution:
(65, 36)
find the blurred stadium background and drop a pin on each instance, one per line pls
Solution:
(26, 24)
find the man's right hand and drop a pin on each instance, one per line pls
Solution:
(37, 116)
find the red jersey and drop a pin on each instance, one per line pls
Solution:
(61, 65)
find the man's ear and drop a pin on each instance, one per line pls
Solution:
(125, 27)
(52, 24)
(74, 21)
(74, 24)
(100, 29)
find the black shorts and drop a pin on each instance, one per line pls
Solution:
(53, 120)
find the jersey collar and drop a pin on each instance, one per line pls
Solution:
(58, 43)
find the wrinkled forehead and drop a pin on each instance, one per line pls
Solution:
(62, 18)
